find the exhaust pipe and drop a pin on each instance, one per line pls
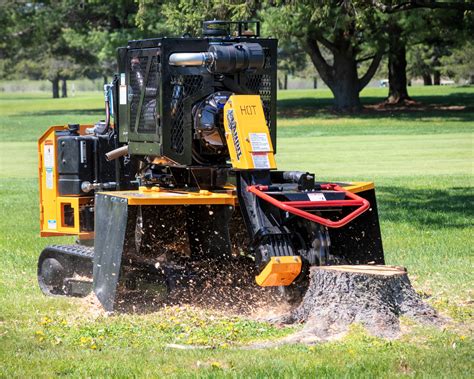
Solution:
(117, 153)
(190, 59)
(223, 59)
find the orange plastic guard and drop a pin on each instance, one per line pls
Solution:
(279, 271)
(294, 206)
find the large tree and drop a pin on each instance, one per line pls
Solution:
(349, 32)
(61, 40)
(100, 27)
(433, 27)
(179, 17)
(36, 47)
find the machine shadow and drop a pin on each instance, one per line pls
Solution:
(433, 208)
(59, 112)
(456, 106)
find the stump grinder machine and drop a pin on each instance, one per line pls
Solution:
(182, 170)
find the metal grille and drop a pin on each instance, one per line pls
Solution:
(185, 86)
(262, 85)
(137, 74)
(148, 116)
(268, 62)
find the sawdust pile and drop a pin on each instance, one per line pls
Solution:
(227, 286)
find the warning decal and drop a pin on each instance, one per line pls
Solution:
(48, 155)
(317, 196)
(260, 160)
(259, 142)
(123, 95)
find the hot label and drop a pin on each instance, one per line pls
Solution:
(248, 110)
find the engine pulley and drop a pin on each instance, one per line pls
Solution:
(209, 143)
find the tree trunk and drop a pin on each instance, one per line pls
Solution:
(280, 84)
(64, 88)
(106, 80)
(346, 85)
(397, 67)
(427, 80)
(436, 78)
(315, 82)
(342, 77)
(55, 83)
(372, 295)
(285, 83)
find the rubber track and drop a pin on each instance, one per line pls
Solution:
(74, 250)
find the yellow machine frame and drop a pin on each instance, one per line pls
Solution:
(250, 147)
(52, 205)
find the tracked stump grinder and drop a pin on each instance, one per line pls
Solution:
(182, 171)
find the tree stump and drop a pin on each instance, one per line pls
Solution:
(372, 295)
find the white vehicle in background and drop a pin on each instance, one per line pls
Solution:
(447, 82)
(383, 83)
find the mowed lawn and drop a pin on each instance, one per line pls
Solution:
(422, 163)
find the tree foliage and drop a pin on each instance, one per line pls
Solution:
(350, 31)
(180, 17)
(61, 40)
(344, 40)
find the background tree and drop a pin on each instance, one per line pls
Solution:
(460, 63)
(419, 63)
(64, 40)
(347, 31)
(100, 27)
(180, 17)
(40, 51)
(414, 22)
(291, 59)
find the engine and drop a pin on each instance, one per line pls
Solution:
(171, 92)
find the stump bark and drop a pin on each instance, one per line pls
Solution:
(372, 295)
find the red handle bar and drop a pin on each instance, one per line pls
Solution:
(355, 201)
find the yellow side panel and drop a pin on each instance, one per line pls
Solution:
(48, 181)
(356, 187)
(247, 134)
(280, 271)
(58, 215)
(160, 196)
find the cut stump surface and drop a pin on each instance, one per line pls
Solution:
(372, 295)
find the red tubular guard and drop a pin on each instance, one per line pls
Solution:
(355, 201)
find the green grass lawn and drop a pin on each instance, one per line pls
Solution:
(422, 163)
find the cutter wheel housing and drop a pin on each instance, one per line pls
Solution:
(181, 175)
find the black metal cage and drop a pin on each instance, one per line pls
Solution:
(156, 98)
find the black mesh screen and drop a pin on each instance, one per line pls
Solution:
(184, 87)
(149, 114)
(262, 85)
(137, 73)
(138, 76)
